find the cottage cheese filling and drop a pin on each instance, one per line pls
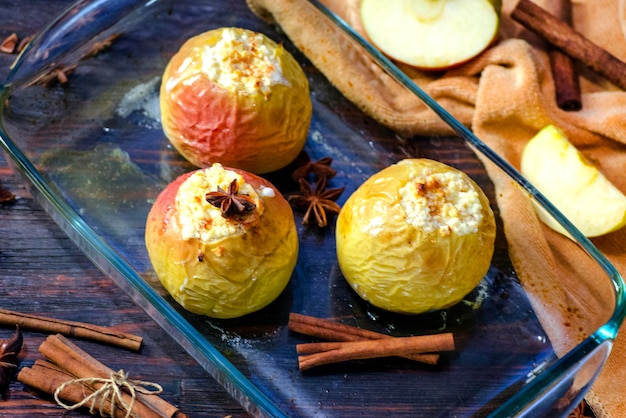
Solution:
(244, 63)
(201, 220)
(443, 202)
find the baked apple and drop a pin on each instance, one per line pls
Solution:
(223, 242)
(235, 97)
(415, 237)
(431, 34)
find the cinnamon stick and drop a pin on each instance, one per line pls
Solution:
(317, 354)
(335, 331)
(571, 42)
(566, 82)
(71, 329)
(61, 351)
(82, 367)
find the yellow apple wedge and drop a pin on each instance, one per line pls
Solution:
(573, 184)
(431, 34)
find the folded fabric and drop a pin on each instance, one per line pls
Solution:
(506, 95)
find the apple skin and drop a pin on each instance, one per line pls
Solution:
(208, 123)
(402, 268)
(431, 35)
(573, 184)
(236, 275)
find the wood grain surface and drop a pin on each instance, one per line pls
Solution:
(43, 272)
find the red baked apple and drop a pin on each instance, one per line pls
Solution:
(222, 241)
(235, 97)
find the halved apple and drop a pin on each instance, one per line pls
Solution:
(573, 184)
(431, 34)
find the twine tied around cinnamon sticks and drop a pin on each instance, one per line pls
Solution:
(109, 393)
(70, 373)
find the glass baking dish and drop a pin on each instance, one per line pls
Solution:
(93, 152)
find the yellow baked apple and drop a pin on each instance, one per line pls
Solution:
(431, 34)
(573, 184)
(235, 97)
(222, 241)
(415, 237)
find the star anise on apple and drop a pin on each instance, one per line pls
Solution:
(316, 200)
(320, 168)
(230, 201)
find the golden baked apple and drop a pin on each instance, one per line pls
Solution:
(415, 237)
(235, 97)
(431, 34)
(223, 242)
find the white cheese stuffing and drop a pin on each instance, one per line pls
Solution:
(201, 220)
(443, 202)
(244, 63)
(267, 192)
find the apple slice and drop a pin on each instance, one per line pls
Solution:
(430, 34)
(574, 185)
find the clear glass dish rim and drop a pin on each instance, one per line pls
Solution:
(252, 399)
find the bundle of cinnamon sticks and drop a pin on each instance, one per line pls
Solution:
(353, 343)
(66, 363)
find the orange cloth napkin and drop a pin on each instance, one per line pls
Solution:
(505, 96)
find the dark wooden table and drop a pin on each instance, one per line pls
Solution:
(43, 272)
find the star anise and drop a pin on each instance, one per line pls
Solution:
(580, 411)
(317, 201)
(9, 350)
(102, 45)
(9, 44)
(57, 73)
(23, 43)
(5, 195)
(230, 202)
(321, 168)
